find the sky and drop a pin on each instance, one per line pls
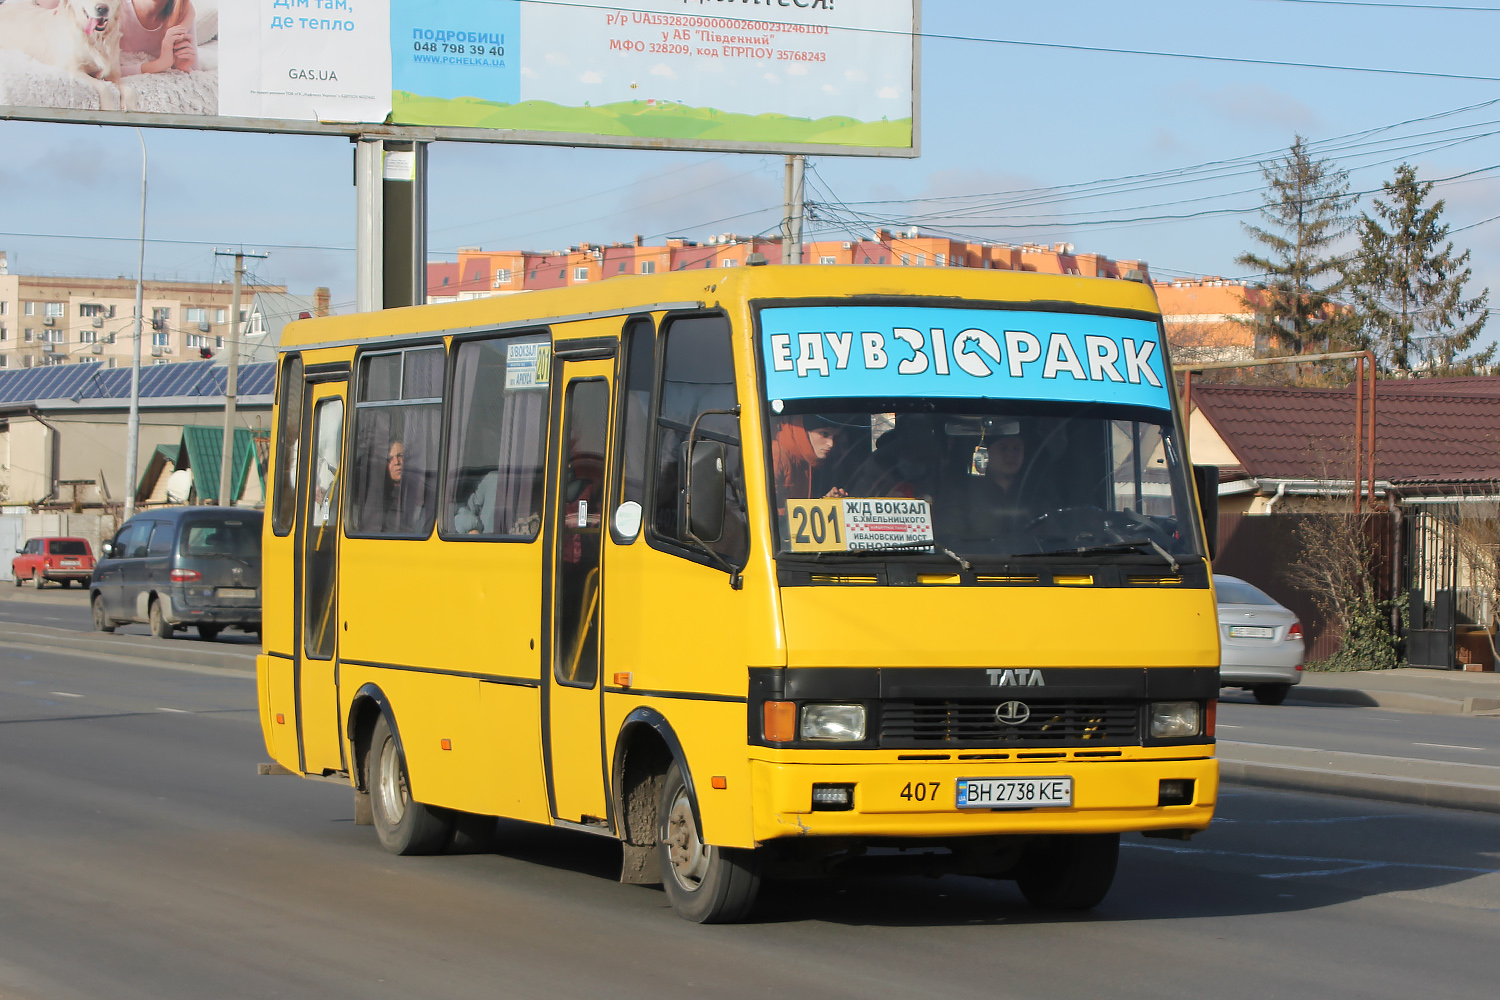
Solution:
(1015, 140)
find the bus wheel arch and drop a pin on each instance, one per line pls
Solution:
(404, 824)
(645, 751)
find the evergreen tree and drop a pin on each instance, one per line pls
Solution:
(1306, 212)
(1408, 285)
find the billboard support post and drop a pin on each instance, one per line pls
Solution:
(369, 203)
(404, 224)
(791, 227)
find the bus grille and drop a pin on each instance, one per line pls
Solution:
(931, 722)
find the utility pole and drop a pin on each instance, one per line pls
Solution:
(791, 227)
(133, 425)
(231, 386)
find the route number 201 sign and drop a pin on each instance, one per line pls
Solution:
(848, 524)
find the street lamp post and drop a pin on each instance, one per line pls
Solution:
(133, 428)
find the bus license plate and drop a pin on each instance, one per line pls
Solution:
(1014, 793)
(1250, 632)
(236, 592)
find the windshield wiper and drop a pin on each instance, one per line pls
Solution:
(898, 547)
(1126, 545)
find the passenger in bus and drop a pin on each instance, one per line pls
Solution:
(903, 462)
(800, 446)
(393, 517)
(476, 515)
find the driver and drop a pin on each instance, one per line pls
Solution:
(1002, 492)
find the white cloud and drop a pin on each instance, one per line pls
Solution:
(558, 58)
(771, 78)
(662, 69)
(888, 93)
(796, 70)
(829, 88)
(856, 75)
(591, 77)
(530, 73)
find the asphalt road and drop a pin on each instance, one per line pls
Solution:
(1452, 738)
(68, 608)
(143, 857)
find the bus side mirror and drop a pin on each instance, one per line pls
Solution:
(705, 491)
(1206, 479)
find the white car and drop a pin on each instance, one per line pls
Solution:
(1260, 641)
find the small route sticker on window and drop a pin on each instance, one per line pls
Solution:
(849, 524)
(528, 366)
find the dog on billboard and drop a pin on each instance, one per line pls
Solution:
(79, 37)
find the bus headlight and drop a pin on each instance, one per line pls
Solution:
(835, 723)
(1171, 719)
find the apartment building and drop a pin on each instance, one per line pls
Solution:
(49, 320)
(1205, 318)
(478, 273)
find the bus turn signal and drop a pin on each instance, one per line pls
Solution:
(780, 721)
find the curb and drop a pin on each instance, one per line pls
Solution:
(1442, 794)
(1405, 701)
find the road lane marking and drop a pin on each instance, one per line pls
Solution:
(178, 711)
(1225, 725)
(1324, 819)
(66, 694)
(1440, 746)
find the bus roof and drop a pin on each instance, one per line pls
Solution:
(727, 288)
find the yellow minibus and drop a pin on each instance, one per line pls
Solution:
(766, 572)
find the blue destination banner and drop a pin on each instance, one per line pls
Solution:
(819, 352)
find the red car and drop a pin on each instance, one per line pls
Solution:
(53, 560)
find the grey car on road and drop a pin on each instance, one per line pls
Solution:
(1260, 642)
(179, 567)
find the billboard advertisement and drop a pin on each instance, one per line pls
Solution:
(830, 76)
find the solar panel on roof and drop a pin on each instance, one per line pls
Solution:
(90, 382)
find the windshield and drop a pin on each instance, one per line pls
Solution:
(1233, 590)
(984, 434)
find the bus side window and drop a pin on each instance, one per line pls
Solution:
(290, 390)
(497, 444)
(634, 423)
(697, 375)
(398, 420)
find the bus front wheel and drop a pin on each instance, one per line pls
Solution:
(705, 884)
(404, 825)
(1071, 872)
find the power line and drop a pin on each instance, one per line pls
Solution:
(1103, 49)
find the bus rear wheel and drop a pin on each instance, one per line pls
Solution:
(705, 884)
(404, 825)
(1072, 872)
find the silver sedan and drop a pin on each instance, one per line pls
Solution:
(1260, 641)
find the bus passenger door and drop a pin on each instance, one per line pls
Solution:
(573, 728)
(318, 621)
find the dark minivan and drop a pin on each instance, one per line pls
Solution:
(181, 566)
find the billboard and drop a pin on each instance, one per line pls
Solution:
(823, 76)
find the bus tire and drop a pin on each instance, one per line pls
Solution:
(1271, 694)
(704, 884)
(1069, 872)
(404, 825)
(160, 627)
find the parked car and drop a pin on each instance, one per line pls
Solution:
(1260, 641)
(181, 567)
(53, 560)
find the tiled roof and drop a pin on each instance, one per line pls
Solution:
(1469, 385)
(89, 382)
(1307, 433)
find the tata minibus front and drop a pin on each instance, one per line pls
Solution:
(1000, 627)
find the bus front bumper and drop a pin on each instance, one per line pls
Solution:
(1108, 796)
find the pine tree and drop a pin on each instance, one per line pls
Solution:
(1408, 285)
(1306, 212)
